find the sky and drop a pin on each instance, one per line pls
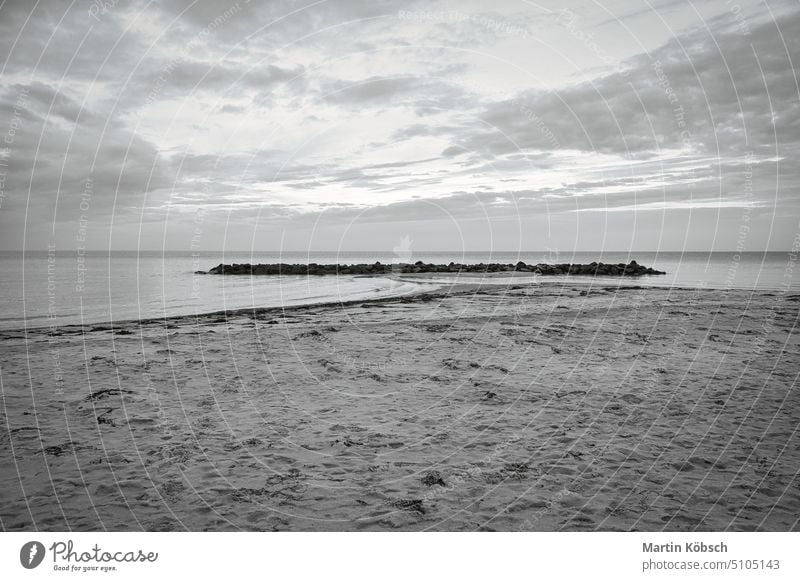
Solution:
(353, 125)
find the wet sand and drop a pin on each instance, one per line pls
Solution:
(540, 407)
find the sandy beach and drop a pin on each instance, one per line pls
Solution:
(541, 407)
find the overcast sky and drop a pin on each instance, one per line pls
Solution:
(586, 125)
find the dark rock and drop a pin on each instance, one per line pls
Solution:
(103, 393)
(64, 448)
(410, 505)
(432, 478)
(516, 470)
(103, 419)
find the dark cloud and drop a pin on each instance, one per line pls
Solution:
(58, 146)
(707, 91)
(62, 42)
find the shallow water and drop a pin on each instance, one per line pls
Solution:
(43, 291)
(38, 289)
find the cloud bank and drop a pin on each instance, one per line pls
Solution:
(339, 124)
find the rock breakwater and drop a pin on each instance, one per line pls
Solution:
(591, 269)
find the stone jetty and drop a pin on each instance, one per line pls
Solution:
(591, 269)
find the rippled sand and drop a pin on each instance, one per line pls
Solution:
(533, 408)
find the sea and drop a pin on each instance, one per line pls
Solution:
(48, 289)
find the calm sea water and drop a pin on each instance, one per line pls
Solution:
(37, 289)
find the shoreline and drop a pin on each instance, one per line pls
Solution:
(454, 290)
